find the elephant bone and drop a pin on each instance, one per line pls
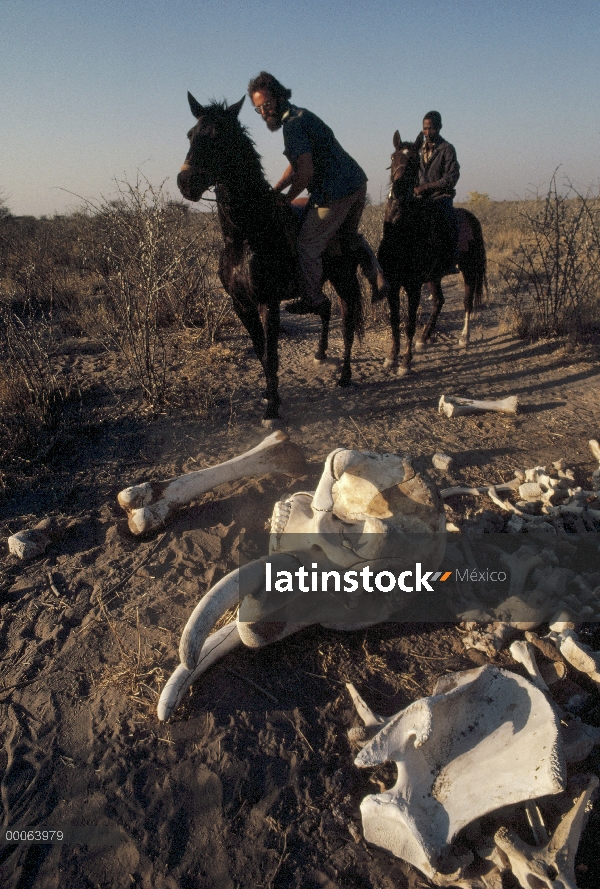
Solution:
(370, 513)
(595, 449)
(522, 652)
(579, 739)
(455, 406)
(520, 564)
(490, 639)
(150, 505)
(443, 746)
(581, 657)
(550, 865)
(32, 542)
(450, 492)
(373, 722)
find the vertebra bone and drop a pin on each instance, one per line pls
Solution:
(443, 747)
(150, 505)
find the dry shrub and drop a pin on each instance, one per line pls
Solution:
(553, 277)
(36, 404)
(157, 263)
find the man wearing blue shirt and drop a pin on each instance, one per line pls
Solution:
(336, 184)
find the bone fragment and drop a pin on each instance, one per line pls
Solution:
(150, 505)
(520, 564)
(547, 648)
(34, 541)
(373, 722)
(454, 406)
(507, 505)
(364, 711)
(508, 486)
(553, 864)
(442, 461)
(522, 652)
(581, 657)
(492, 639)
(530, 491)
(552, 672)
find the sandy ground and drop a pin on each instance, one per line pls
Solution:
(248, 785)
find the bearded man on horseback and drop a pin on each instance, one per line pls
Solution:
(439, 172)
(336, 184)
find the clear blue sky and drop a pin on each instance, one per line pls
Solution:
(94, 89)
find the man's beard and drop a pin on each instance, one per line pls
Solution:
(274, 123)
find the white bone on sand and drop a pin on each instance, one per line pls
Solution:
(34, 541)
(443, 746)
(454, 406)
(150, 505)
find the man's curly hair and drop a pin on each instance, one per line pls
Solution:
(265, 81)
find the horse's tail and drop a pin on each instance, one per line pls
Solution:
(477, 259)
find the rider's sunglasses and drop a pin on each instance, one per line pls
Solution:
(266, 107)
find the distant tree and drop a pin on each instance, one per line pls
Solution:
(4, 211)
(478, 197)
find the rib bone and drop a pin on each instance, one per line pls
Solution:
(150, 505)
(454, 406)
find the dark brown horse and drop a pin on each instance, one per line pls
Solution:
(258, 265)
(407, 255)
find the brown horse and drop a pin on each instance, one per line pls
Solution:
(258, 265)
(407, 255)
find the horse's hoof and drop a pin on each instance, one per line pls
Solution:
(403, 371)
(319, 359)
(419, 345)
(463, 342)
(344, 382)
(273, 423)
(390, 364)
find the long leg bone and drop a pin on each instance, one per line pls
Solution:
(150, 505)
(454, 406)
(553, 864)
(595, 449)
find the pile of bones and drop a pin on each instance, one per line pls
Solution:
(489, 779)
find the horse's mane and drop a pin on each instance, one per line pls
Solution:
(248, 157)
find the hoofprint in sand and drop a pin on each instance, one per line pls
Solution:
(253, 782)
